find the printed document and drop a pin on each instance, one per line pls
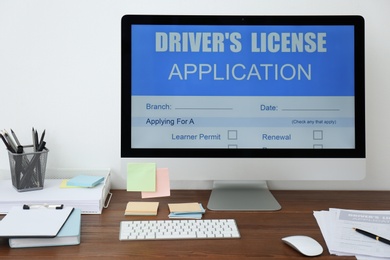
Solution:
(337, 227)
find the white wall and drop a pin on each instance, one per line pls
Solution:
(60, 71)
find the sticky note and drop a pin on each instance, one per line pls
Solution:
(85, 181)
(141, 177)
(163, 188)
(64, 185)
(188, 215)
(185, 207)
(141, 208)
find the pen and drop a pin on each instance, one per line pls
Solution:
(41, 146)
(36, 140)
(42, 137)
(16, 139)
(9, 147)
(9, 139)
(33, 139)
(368, 234)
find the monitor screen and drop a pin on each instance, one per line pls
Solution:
(242, 87)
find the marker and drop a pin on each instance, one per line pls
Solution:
(368, 234)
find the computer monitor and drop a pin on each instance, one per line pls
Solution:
(242, 100)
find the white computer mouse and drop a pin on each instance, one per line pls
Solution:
(304, 244)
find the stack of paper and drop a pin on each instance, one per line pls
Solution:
(193, 210)
(89, 200)
(141, 208)
(337, 227)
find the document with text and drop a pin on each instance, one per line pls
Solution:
(338, 227)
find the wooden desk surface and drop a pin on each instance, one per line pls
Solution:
(261, 232)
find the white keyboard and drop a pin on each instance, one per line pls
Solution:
(178, 229)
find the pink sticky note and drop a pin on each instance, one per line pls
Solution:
(163, 188)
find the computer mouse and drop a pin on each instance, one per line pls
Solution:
(304, 244)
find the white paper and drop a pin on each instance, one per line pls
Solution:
(337, 227)
(87, 199)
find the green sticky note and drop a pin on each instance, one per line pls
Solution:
(141, 177)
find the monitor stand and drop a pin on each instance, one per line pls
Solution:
(242, 196)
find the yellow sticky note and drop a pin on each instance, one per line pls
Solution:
(141, 177)
(184, 207)
(141, 208)
(64, 185)
(163, 188)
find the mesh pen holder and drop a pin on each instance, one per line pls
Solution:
(28, 169)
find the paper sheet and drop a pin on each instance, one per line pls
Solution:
(337, 228)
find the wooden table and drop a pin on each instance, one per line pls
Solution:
(261, 232)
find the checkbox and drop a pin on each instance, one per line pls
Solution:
(232, 135)
(318, 135)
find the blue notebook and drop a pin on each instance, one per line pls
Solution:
(86, 181)
(68, 235)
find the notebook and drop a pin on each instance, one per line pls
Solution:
(68, 235)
